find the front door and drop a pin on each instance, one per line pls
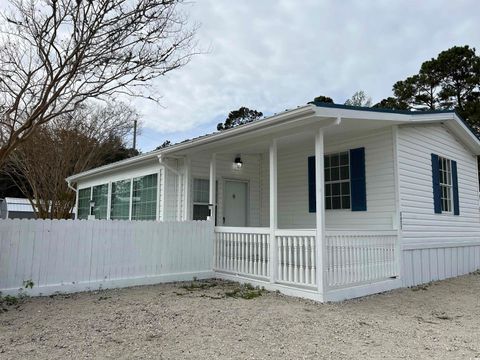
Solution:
(235, 203)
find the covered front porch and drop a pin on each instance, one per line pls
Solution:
(306, 220)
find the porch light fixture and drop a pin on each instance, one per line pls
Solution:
(238, 162)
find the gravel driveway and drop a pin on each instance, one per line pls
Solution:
(211, 320)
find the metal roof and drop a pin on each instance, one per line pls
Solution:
(18, 204)
(260, 123)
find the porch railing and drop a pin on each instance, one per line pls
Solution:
(352, 257)
(242, 251)
(296, 257)
(355, 257)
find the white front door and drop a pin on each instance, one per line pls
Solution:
(235, 203)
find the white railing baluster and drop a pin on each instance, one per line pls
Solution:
(264, 255)
(301, 253)
(313, 268)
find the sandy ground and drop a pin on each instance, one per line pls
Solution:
(441, 321)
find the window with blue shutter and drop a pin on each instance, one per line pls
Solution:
(345, 186)
(357, 179)
(437, 193)
(445, 185)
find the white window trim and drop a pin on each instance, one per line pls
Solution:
(340, 181)
(446, 185)
(193, 193)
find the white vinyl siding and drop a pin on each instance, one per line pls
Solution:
(380, 185)
(420, 225)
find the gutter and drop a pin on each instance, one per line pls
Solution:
(278, 118)
(166, 166)
(70, 185)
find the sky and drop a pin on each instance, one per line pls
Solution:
(272, 55)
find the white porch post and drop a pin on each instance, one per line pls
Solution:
(187, 190)
(273, 208)
(212, 194)
(320, 213)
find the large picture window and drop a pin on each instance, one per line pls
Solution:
(445, 168)
(201, 196)
(100, 197)
(120, 208)
(337, 181)
(144, 201)
(83, 209)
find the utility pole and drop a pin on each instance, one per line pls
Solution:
(134, 134)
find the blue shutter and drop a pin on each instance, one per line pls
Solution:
(456, 202)
(312, 201)
(437, 193)
(358, 185)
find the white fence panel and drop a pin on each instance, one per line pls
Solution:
(77, 255)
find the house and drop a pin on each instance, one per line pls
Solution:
(16, 208)
(324, 201)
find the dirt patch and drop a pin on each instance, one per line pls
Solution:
(221, 320)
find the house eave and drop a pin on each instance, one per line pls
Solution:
(303, 111)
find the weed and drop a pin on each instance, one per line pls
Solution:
(28, 284)
(246, 291)
(198, 286)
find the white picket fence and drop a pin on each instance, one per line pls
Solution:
(77, 255)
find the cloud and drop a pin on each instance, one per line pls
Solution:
(272, 55)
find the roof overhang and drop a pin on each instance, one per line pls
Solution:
(319, 116)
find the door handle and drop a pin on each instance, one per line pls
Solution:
(224, 220)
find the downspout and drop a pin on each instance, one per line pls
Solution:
(176, 172)
(76, 198)
(160, 160)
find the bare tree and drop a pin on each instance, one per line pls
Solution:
(55, 54)
(359, 98)
(69, 144)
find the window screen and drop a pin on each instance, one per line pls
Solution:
(144, 201)
(120, 208)
(201, 197)
(83, 203)
(100, 196)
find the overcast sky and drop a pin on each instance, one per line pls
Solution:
(271, 55)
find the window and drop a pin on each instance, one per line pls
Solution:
(120, 208)
(100, 197)
(337, 181)
(201, 197)
(144, 201)
(445, 169)
(83, 209)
